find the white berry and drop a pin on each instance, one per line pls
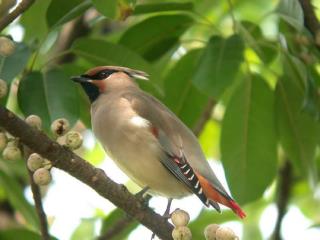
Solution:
(3, 88)
(34, 121)
(11, 153)
(3, 141)
(180, 218)
(210, 231)
(42, 176)
(7, 46)
(181, 233)
(60, 126)
(35, 161)
(73, 140)
(225, 233)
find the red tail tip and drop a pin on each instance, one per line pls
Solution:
(235, 207)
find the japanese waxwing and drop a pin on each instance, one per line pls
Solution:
(147, 141)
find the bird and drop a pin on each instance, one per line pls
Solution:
(147, 141)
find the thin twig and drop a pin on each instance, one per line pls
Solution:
(21, 8)
(96, 178)
(283, 196)
(37, 200)
(310, 19)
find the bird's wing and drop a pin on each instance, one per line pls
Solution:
(169, 132)
(163, 127)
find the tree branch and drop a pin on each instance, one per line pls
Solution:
(21, 8)
(310, 19)
(66, 160)
(37, 200)
(283, 196)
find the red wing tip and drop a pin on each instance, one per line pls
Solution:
(235, 207)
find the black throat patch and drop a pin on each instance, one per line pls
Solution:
(91, 90)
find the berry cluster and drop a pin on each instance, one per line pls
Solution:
(181, 218)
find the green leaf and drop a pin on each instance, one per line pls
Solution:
(73, 69)
(162, 7)
(291, 12)
(50, 96)
(209, 139)
(15, 195)
(253, 36)
(62, 96)
(154, 36)
(180, 95)
(20, 233)
(85, 230)
(35, 16)
(61, 11)
(11, 66)
(36, 102)
(219, 65)
(107, 8)
(113, 218)
(99, 52)
(311, 103)
(296, 129)
(248, 140)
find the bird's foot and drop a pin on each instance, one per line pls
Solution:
(165, 215)
(143, 197)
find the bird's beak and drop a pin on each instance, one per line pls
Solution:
(80, 79)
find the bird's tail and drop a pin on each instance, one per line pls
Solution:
(213, 194)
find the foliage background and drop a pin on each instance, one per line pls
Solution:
(251, 64)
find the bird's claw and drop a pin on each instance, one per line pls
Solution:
(143, 197)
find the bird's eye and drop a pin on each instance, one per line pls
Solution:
(103, 75)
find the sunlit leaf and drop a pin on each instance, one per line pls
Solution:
(291, 12)
(85, 230)
(209, 139)
(252, 34)
(154, 36)
(219, 65)
(162, 7)
(248, 140)
(181, 96)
